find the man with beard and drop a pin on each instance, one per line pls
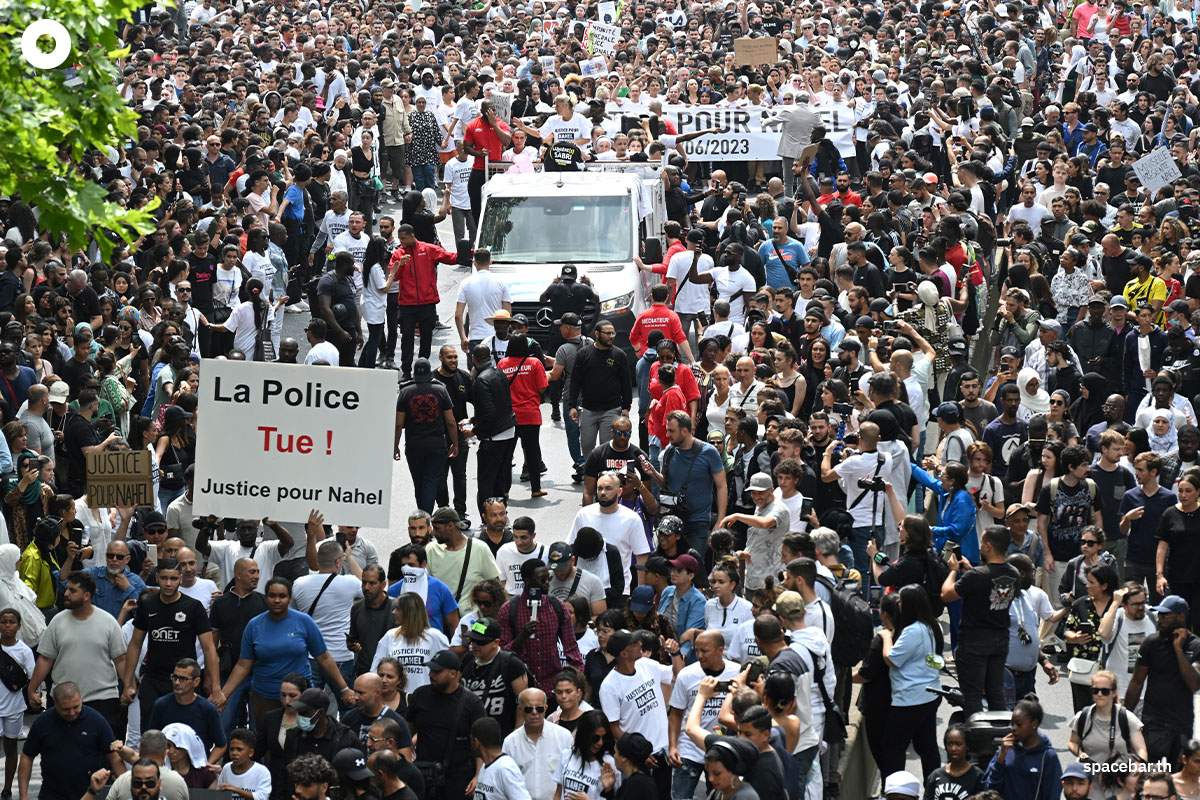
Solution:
(1124, 629)
(494, 674)
(976, 410)
(458, 384)
(1168, 664)
(1184, 458)
(447, 555)
(1092, 340)
(440, 716)
(536, 638)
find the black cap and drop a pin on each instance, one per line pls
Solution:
(570, 318)
(310, 700)
(560, 554)
(865, 321)
(880, 304)
(484, 630)
(618, 641)
(422, 371)
(442, 660)
(569, 272)
(655, 565)
(353, 764)
(695, 235)
(154, 519)
(589, 543)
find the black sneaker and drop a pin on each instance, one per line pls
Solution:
(577, 475)
(556, 416)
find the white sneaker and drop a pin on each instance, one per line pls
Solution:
(303, 305)
(294, 309)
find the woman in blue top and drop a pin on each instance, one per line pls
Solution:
(276, 642)
(1025, 767)
(956, 522)
(913, 715)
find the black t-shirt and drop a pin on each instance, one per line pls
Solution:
(358, 722)
(84, 305)
(1164, 684)
(1070, 512)
(171, 631)
(766, 776)
(1110, 490)
(941, 785)
(458, 385)
(492, 684)
(340, 291)
(229, 616)
(1181, 532)
(424, 405)
(606, 457)
(203, 272)
(563, 157)
(74, 372)
(435, 717)
(77, 435)
(1116, 271)
(987, 592)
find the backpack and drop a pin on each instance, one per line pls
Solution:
(853, 627)
(1084, 726)
(935, 575)
(547, 599)
(1054, 489)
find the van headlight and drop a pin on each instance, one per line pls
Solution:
(618, 303)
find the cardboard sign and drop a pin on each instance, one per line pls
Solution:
(120, 479)
(607, 12)
(749, 52)
(1156, 169)
(282, 439)
(603, 38)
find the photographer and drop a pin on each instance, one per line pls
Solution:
(859, 477)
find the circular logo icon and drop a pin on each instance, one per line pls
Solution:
(545, 317)
(34, 54)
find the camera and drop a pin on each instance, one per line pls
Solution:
(891, 327)
(1023, 636)
(1004, 242)
(843, 408)
(874, 484)
(535, 594)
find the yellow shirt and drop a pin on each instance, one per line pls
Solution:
(1147, 291)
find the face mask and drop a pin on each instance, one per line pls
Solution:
(1174, 323)
(306, 724)
(921, 51)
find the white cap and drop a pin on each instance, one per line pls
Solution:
(902, 783)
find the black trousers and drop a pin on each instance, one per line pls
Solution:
(531, 446)
(410, 318)
(475, 191)
(458, 475)
(150, 690)
(116, 714)
(981, 672)
(494, 465)
(388, 348)
(915, 724)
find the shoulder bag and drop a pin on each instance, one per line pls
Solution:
(434, 772)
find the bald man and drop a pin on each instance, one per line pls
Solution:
(867, 510)
(84, 300)
(536, 745)
(683, 754)
(743, 393)
(191, 583)
(369, 708)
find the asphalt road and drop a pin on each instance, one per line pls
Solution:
(555, 512)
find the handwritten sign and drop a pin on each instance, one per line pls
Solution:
(607, 12)
(748, 52)
(1156, 169)
(120, 479)
(304, 437)
(603, 38)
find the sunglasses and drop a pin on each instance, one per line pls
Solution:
(1057, 403)
(623, 434)
(143, 783)
(534, 709)
(1088, 542)
(1102, 690)
(115, 556)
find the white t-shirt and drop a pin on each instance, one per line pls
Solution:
(818, 615)
(683, 696)
(501, 780)
(690, 297)
(636, 703)
(623, 529)
(14, 702)
(561, 129)
(412, 655)
(863, 465)
(466, 111)
(730, 285)
(332, 613)
(241, 325)
(576, 775)
(509, 560)
(356, 247)
(795, 507)
(740, 645)
(202, 590)
(226, 552)
(484, 294)
(256, 780)
(1124, 644)
(726, 619)
(457, 174)
(374, 298)
(324, 351)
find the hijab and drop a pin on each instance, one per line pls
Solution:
(1035, 403)
(34, 491)
(1168, 441)
(15, 594)
(1087, 411)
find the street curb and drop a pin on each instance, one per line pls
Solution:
(859, 775)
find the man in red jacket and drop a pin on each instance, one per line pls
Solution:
(418, 298)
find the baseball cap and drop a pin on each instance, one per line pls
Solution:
(484, 630)
(1097, 298)
(930, 178)
(1172, 604)
(352, 763)
(1013, 508)
(669, 525)
(177, 413)
(520, 319)
(957, 346)
(569, 318)
(695, 235)
(560, 554)
(949, 412)
(879, 76)
(1076, 770)
(685, 562)
(1027, 122)
(1010, 352)
(789, 603)
(655, 565)
(569, 271)
(1091, 127)
(865, 321)
(642, 599)
(442, 659)
(1118, 302)
(59, 392)
(761, 482)
(1050, 325)
(1179, 307)
(310, 700)
(422, 371)
(447, 514)
(154, 519)
(902, 783)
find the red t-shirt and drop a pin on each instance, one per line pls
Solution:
(672, 400)
(526, 387)
(481, 136)
(685, 379)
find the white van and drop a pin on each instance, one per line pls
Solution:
(598, 220)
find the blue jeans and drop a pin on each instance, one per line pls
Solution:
(696, 535)
(234, 714)
(320, 680)
(684, 780)
(424, 176)
(427, 465)
(656, 448)
(166, 496)
(572, 429)
(366, 359)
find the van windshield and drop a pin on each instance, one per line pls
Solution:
(554, 229)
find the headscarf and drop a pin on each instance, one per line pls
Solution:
(1087, 411)
(1079, 56)
(1167, 442)
(1038, 403)
(15, 594)
(930, 297)
(129, 314)
(34, 491)
(183, 737)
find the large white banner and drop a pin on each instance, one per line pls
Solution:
(743, 138)
(281, 439)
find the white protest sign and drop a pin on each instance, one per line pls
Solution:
(743, 139)
(839, 126)
(547, 63)
(603, 38)
(282, 439)
(594, 67)
(607, 12)
(1156, 169)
